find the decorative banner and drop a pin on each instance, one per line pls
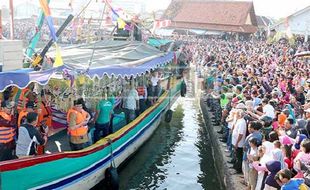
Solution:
(49, 19)
(58, 60)
(161, 24)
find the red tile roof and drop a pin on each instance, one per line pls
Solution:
(213, 15)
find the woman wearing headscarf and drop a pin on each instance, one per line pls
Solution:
(273, 168)
(260, 165)
(291, 112)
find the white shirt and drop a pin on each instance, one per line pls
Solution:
(240, 128)
(154, 81)
(132, 97)
(269, 111)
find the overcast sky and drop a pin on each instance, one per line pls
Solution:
(273, 8)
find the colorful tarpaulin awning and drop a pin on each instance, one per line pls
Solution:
(22, 78)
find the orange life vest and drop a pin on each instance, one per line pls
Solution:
(22, 101)
(6, 133)
(21, 116)
(45, 115)
(80, 117)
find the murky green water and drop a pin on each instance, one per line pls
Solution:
(178, 155)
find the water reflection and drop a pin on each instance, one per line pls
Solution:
(177, 156)
(146, 169)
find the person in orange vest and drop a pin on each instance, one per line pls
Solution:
(45, 113)
(23, 113)
(7, 131)
(25, 96)
(77, 119)
(29, 137)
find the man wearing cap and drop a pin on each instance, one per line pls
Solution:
(7, 131)
(29, 137)
(23, 113)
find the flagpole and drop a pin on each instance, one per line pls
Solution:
(12, 20)
(35, 39)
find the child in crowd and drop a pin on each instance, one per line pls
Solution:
(284, 178)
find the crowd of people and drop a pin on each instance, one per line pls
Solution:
(260, 94)
(25, 30)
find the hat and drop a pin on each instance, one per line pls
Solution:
(225, 88)
(241, 106)
(30, 104)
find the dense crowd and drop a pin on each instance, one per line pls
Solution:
(260, 94)
(26, 29)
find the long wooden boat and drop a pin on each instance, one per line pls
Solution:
(84, 169)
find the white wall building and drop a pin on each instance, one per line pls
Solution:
(297, 23)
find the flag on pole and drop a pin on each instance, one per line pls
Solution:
(121, 23)
(49, 19)
(58, 60)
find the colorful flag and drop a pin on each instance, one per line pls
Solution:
(58, 60)
(49, 19)
(121, 23)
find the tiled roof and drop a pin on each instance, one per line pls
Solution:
(219, 15)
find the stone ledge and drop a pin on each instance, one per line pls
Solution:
(228, 180)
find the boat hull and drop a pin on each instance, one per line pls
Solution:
(84, 169)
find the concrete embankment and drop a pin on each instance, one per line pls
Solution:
(229, 180)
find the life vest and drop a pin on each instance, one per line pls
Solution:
(22, 101)
(7, 134)
(21, 117)
(141, 91)
(80, 117)
(45, 115)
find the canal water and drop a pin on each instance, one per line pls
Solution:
(177, 156)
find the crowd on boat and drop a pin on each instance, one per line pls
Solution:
(259, 94)
(24, 125)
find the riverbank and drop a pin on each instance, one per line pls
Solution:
(230, 180)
